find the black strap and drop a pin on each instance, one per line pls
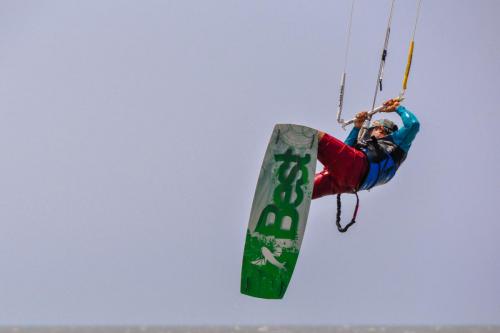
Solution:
(339, 206)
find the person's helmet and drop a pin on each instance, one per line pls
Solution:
(385, 123)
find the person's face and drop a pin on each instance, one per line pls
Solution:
(379, 132)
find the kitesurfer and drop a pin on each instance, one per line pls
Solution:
(353, 166)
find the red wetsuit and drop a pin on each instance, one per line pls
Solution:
(344, 168)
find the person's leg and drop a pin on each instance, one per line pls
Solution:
(333, 152)
(324, 181)
(344, 167)
(322, 184)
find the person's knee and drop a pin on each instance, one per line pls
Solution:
(320, 135)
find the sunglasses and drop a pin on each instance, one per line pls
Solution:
(381, 129)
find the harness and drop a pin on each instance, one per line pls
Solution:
(384, 158)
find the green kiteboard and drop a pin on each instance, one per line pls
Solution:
(279, 211)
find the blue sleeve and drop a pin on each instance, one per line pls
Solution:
(405, 135)
(352, 138)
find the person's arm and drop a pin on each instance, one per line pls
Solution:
(405, 135)
(352, 138)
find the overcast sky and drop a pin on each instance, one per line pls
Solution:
(131, 138)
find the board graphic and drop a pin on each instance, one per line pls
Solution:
(279, 211)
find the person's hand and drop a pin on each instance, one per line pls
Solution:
(391, 105)
(360, 118)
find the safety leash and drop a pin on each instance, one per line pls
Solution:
(339, 210)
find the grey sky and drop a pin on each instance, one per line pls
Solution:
(132, 133)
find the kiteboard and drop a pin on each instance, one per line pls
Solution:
(279, 211)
